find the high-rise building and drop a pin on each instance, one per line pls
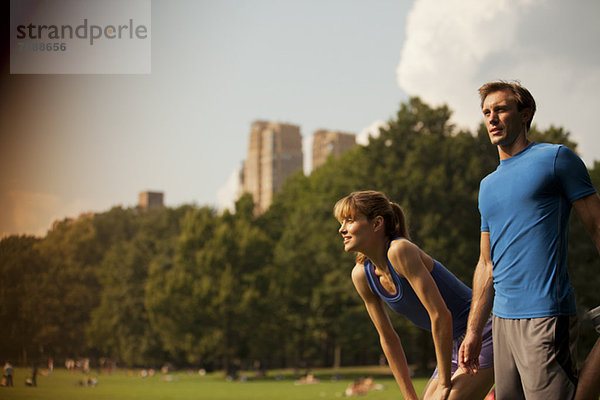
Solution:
(330, 143)
(274, 153)
(150, 200)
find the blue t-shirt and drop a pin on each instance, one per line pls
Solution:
(405, 301)
(525, 206)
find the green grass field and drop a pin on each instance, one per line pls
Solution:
(181, 385)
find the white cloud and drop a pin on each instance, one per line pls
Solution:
(307, 154)
(371, 131)
(552, 47)
(228, 193)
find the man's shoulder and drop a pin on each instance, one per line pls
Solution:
(551, 151)
(489, 177)
(534, 153)
(546, 147)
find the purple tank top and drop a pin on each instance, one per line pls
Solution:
(405, 301)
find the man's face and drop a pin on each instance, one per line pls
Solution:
(504, 122)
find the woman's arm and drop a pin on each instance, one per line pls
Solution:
(390, 341)
(407, 259)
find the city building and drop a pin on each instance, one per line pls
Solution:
(274, 153)
(150, 200)
(330, 143)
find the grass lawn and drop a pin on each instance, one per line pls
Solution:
(181, 385)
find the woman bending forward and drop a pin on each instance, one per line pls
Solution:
(391, 269)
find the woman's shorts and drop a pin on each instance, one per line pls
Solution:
(486, 357)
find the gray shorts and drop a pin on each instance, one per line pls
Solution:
(486, 357)
(535, 358)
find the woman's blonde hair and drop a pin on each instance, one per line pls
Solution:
(373, 204)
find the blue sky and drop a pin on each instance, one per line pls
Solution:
(76, 143)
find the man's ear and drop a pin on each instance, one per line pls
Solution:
(525, 114)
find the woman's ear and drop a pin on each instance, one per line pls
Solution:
(378, 223)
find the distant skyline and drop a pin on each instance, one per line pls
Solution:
(70, 144)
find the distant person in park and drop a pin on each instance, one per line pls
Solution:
(522, 269)
(34, 375)
(391, 269)
(8, 373)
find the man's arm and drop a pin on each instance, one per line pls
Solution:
(588, 210)
(481, 307)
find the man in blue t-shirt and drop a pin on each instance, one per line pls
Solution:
(522, 270)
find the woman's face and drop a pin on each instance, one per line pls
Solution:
(356, 231)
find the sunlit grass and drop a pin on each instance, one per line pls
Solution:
(183, 385)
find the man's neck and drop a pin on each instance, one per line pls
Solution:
(517, 146)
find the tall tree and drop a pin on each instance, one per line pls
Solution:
(21, 295)
(119, 326)
(71, 286)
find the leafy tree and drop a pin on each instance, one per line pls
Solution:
(175, 308)
(120, 326)
(205, 305)
(21, 295)
(70, 284)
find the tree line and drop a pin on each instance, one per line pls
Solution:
(196, 287)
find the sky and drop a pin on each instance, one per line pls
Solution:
(71, 144)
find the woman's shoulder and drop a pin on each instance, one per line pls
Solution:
(402, 249)
(359, 278)
(358, 271)
(401, 245)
